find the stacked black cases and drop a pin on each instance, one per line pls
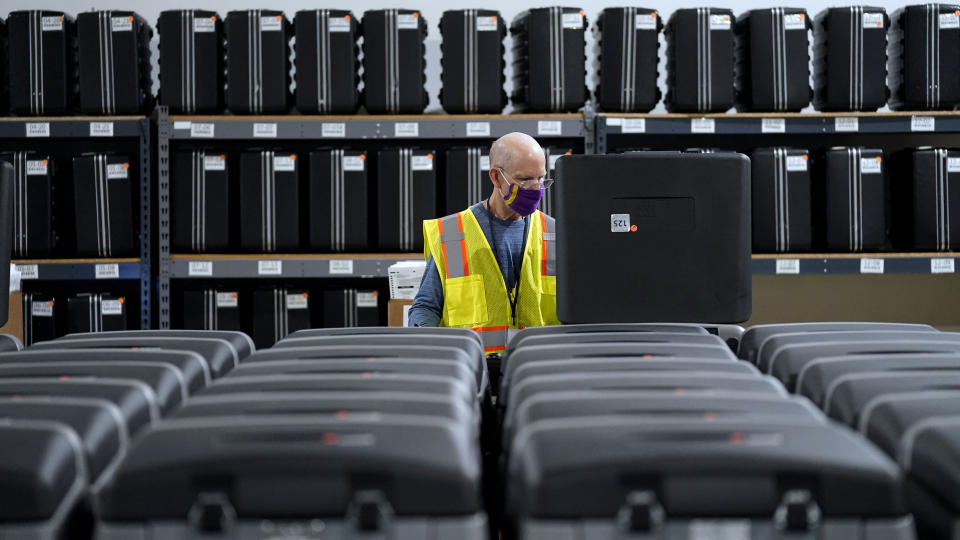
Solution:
(39, 322)
(191, 61)
(4, 72)
(327, 61)
(773, 60)
(350, 307)
(700, 61)
(337, 201)
(102, 195)
(551, 155)
(854, 194)
(936, 200)
(850, 59)
(924, 64)
(32, 204)
(211, 309)
(42, 62)
(467, 177)
(258, 62)
(393, 61)
(472, 64)
(549, 62)
(201, 209)
(269, 202)
(278, 312)
(781, 201)
(114, 53)
(96, 313)
(629, 47)
(406, 195)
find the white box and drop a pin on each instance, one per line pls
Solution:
(405, 279)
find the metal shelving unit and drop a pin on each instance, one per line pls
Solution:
(101, 133)
(285, 266)
(856, 263)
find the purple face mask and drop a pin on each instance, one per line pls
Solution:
(523, 201)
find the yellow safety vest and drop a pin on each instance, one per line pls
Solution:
(474, 292)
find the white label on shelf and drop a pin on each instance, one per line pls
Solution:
(795, 21)
(353, 163)
(38, 129)
(486, 24)
(408, 21)
(797, 163)
(949, 21)
(573, 21)
(111, 307)
(204, 24)
(704, 529)
(101, 129)
(41, 309)
(872, 20)
(200, 268)
(36, 167)
(215, 163)
(121, 24)
(619, 222)
(549, 127)
(614, 121)
(422, 163)
(341, 266)
(484, 163)
(265, 129)
(51, 24)
(942, 266)
(338, 24)
(871, 266)
(117, 171)
(227, 299)
(773, 125)
(478, 129)
(646, 22)
(846, 124)
(271, 24)
(719, 22)
(285, 163)
(29, 271)
(953, 165)
(269, 268)
(788, 266)
(366, 299)
(871, 165)
(923, 123)
(634, 125)
(333, 129)
(202, 131)
(297, 301)
(182, 124)
(703, 125)
(406, 129)
(107, 271)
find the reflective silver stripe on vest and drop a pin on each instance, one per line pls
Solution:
(550, 239)
(494, 340)
(450, 239)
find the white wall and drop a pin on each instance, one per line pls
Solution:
(432, 9)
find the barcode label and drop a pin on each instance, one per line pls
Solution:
(265, 130)
(484, 163)
(333, 129)
(51, 24)
(408, 21)
(478, 129)
(846, 125)
(549, 127)
(719, 22)
(201, 131)
(871, 266)
(269, 268)
(949, 21)
(788, 266)
(215, 163)
(227, 299)
(702, 125)
(117, 171)
(953, 165)
(28, 271)
(36, 167)
(406, 129)
(923, 123)
(634, 125)
(41, 309)
(338, 24)
(204, 24)
(121, 24)
(111, 307)
(773, 125)
(871, 165)
(353, 163)
(285, 163)
(422, 163)
(366, 299)
(38, 129)
(573, 21)
(200, 269)
(795, 21)
(797, 163)
(486, 24)
(107, 271)
(297, 301)
(942, 266)
(341, 266)
(101, 129)
(646, 22)
(872, 20)
(271, 24)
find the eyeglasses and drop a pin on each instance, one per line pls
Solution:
(532, 183)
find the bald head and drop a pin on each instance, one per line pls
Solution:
(518, 154)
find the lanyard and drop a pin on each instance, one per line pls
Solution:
(515, 297)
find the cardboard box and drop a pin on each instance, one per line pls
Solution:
(397, 311)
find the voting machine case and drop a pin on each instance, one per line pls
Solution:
(924, 64)
(338, 194)
(258, 62)
(191, 61)
(103, 201)
(850, 59)
(467, 173)
(854, 195)
(394, 61)
(472, 75)
(39, 318)
(96, 313)
(773, 61)
(33, 231)
(782, 214)
(269, 202)
(114, 60)
(549, 62)
(700, 60)
(211, 309)
(277, 312)
(406, 196)
(42, 61)
(935, 194)
(327, 61)
(351, 307)
(4, 72)
(629, 56)
(201, 202)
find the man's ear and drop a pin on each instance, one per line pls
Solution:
(494, 177)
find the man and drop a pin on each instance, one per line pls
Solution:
(492, 267)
